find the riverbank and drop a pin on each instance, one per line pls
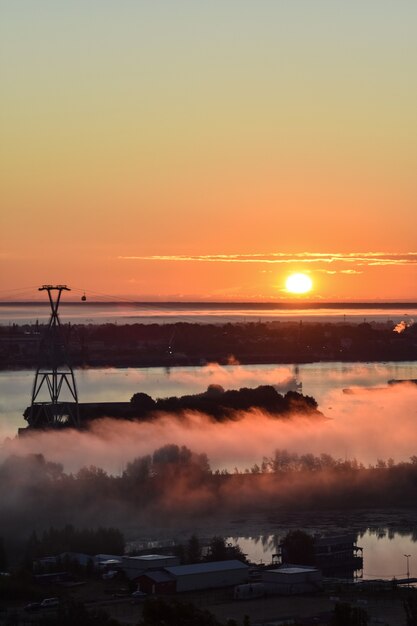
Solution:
(195, 344)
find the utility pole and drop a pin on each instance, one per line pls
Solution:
(54, 376)
(407, 556)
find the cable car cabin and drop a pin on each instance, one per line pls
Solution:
(84, 298)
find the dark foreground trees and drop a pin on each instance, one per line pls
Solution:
(162, 612)
(69, 539)
(298, 548)
(410, 607)
(347, 615)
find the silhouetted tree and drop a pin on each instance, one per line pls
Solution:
(68, 539)
(219, 550)
(143, 402)
(3, 556)
(298, 548)
(193, 552)
(71, 612)
(410, 606)
(161, 612)
(346, 615)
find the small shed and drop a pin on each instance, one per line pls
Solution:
(209, 575)
(134, 566)
(158, 581)
(292, 579)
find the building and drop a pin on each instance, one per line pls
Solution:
(334, 555)
(135, 566)
(291, 580)
(209, 575)
(337, 553)
(157, 582)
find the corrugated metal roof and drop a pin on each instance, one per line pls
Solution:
(158, 576)
(201, 568)
(293, 570)
(152, 557)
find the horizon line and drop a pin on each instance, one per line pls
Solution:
(266, 303)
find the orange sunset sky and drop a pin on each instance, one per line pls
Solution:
(172, 149)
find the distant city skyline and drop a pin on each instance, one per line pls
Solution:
(205, 151)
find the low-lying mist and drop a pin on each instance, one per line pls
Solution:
(173, 470)
(368, 425)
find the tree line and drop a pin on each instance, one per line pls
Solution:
(178, 483)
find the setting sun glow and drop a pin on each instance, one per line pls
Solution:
(298, 283)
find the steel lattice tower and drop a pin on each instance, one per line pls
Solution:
(54, 375)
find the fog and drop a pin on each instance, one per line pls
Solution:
(158, 476)
(367, 426)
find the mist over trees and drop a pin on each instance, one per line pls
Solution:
(177, 484)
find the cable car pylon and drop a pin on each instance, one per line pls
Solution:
(54, 378)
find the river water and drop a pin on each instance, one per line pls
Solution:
(384, 551)
(320, 380)
(206, 312)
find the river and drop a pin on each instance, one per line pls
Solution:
(320, 380)
(207, 312)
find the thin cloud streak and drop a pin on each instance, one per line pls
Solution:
(369, 259)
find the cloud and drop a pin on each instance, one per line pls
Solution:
(369, 259)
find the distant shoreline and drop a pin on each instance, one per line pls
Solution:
(193, 343)
(288, 305)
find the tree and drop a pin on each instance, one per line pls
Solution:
(161, 612)
(346, 615)
(410, 606)
(193, 553)
(219, 550)
(298, 548)
(143, 402)
(3, 556)
(71, 612)
(69, 539)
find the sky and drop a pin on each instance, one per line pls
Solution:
(196, 150)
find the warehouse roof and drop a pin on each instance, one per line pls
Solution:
(202, 568)
(158, 576)
(293, 569)
(151, 557)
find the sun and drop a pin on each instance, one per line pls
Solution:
(298, 283)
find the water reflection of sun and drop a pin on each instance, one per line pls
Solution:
(298, 283)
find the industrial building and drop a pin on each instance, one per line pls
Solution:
(333, 554)
(157, 582)
(209, 575)
(337, 552)
(291, 580)
(134, 566)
